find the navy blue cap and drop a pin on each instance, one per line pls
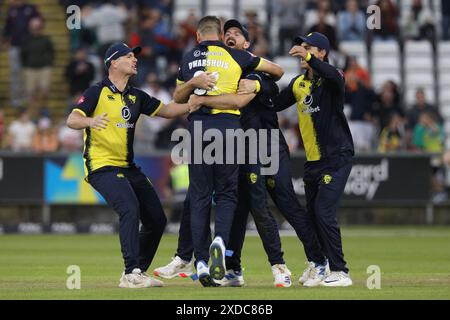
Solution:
(315, 39)
(117, 50)
(233, 23)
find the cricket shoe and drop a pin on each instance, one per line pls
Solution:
(137, 279)
(176, 268)
(337, 279)
(318, 272)
(204, 276)
(217, 255)
(281, 275)
(232, 279)
(309, 273)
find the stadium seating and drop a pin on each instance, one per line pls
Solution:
(182, 8)
(356, 48)
(419, 70)
(385, 63)
(258, 6)
(443, 61)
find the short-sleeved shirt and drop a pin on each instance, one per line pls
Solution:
(214, 56)
(113, 146)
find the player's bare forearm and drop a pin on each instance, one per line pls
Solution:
(173, 110)
(182, 92)
(271, 68)
(225, 101)
(78, 121)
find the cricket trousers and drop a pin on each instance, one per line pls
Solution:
(130, 193)
(253, 198)
(283, 195)
(185, 248)
(324, 185)
(282, 192)
(206, 178)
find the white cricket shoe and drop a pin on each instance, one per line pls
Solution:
(317, 273)
(217, 255)
(309, 271)
(137, 279)
(203, 275)
(176, 268)
(337, 279)
(281, 275)
(306, 273)
(232, 279)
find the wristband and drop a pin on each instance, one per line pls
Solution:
(308, 57)
(258, 86)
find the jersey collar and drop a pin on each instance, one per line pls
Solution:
(212, 43)
(113, 88)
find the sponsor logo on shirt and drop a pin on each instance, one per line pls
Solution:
(81, 100)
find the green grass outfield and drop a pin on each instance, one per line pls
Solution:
(414, 261)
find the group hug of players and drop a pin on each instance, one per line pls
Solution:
(223, 86)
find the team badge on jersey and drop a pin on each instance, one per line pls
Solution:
(126, 113)
(132, 98)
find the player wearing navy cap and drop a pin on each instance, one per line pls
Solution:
(108, 112)
(319, 95)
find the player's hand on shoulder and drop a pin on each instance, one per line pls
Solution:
(99, 122)
(246, 86)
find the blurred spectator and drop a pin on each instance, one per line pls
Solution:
(351, 23)
(261, 49)
(389, 21)
(15, 31)
(417, 23)
(164, 6)
(360, 96)
(445, 10)
(392, 137)
(37, 55)
(187, 32)
(70, 140)
(107, 20)
(145, 37)
(153, 88)
(429, 137)
(393, 87)
(312, 14)
(20, 132)
(176, 192)
(355, 74)
(419, 107)
(290, 131)
(79, 72)
(290, 15)
(167, 46)
(171, 77)
(257, 34)
(45, 138)
(387, 103)
(2, 127)
(149, 129)
(428, 133)
(328, 30)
